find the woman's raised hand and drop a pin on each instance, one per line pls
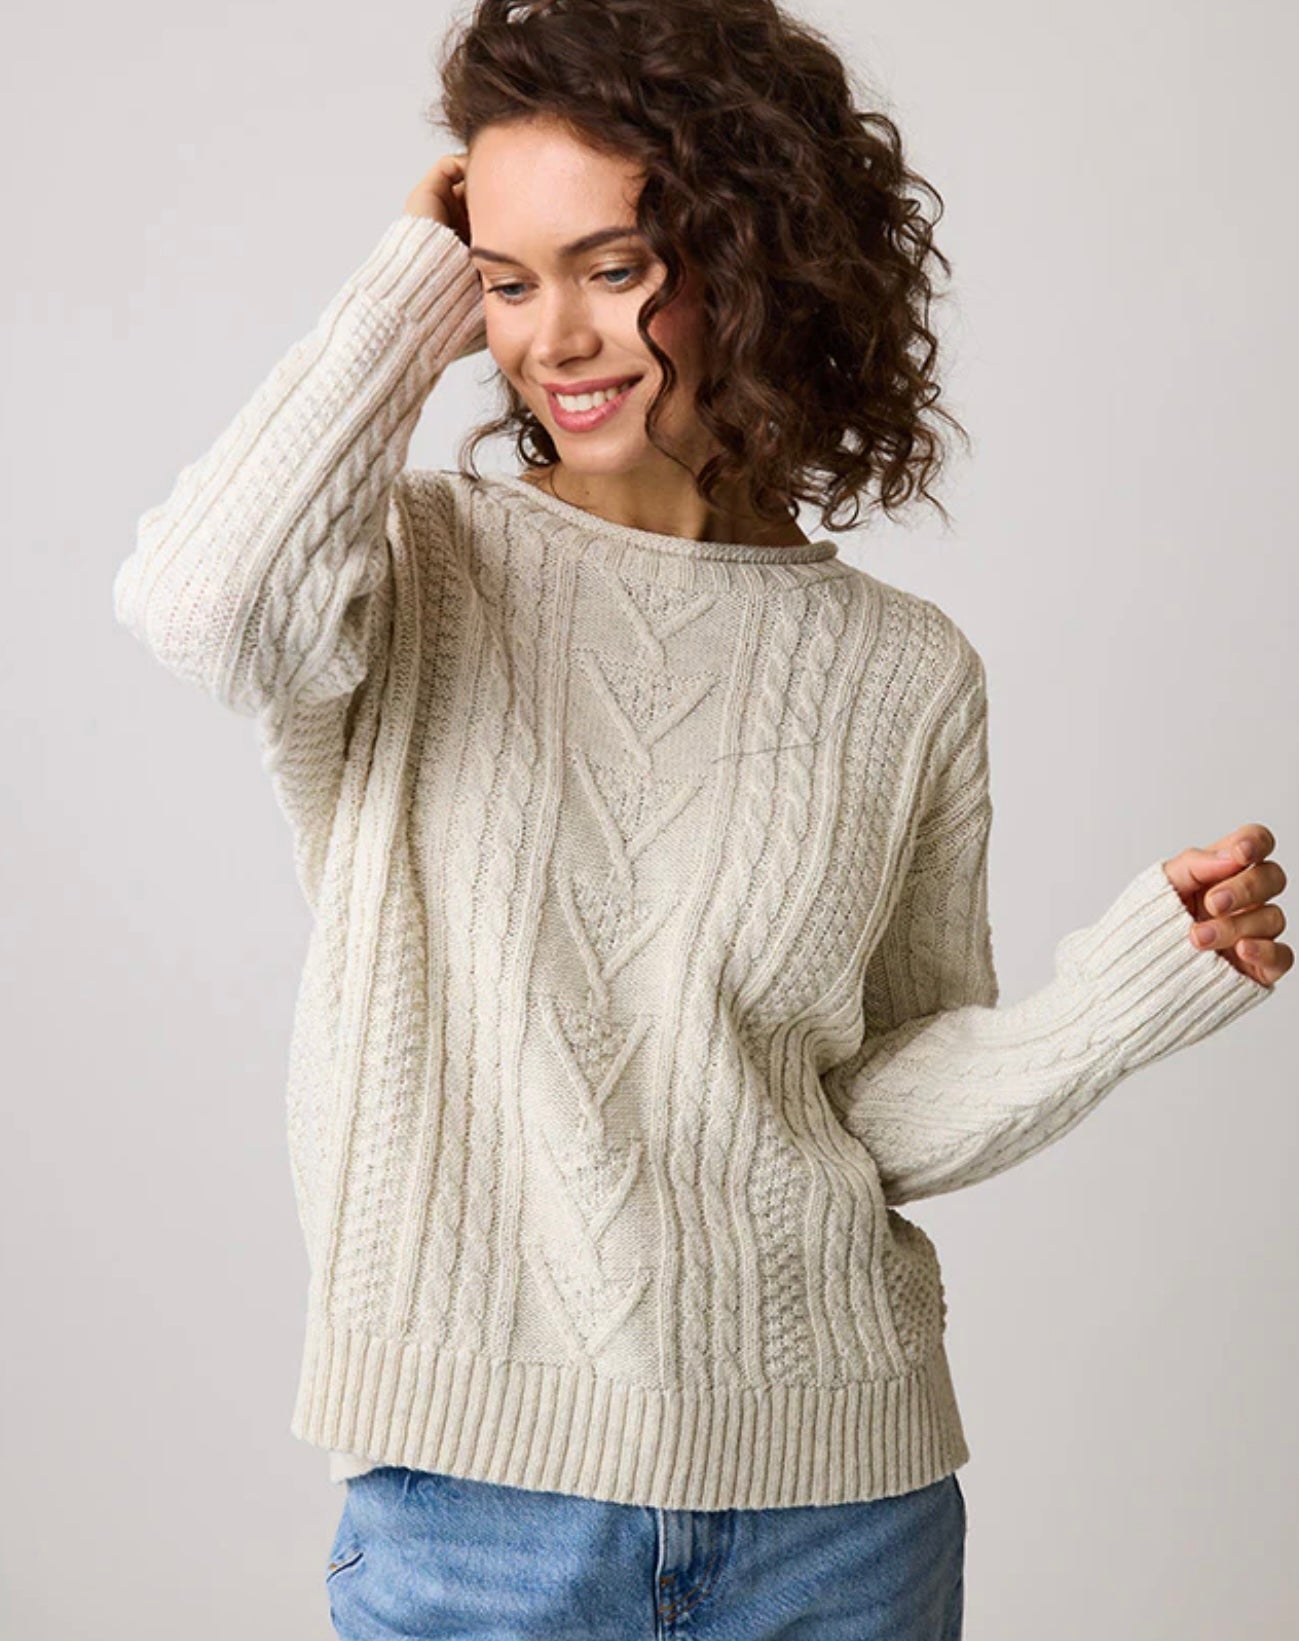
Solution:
(1243, 929)
(440, 194)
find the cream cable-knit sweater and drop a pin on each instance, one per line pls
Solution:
(650, 966)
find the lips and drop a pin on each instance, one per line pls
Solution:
(583, 421)
(571, 391)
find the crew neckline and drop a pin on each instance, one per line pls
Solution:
(681, 547)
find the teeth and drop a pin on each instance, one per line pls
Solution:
(588, 401)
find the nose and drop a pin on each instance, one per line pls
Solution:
(564, 329)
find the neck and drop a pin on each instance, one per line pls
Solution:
(681, 512)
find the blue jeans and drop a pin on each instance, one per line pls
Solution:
(418, 1554)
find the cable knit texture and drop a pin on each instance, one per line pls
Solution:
(650, 966)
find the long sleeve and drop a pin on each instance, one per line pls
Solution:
(256, 578)
(949, 1088)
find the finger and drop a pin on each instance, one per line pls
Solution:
(1267, 960)
(1246, 889)
(1246, 843)
(1200, 869)
(1226, 931)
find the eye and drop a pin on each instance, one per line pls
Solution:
(605, 273)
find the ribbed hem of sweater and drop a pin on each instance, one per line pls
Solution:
(557, 1429)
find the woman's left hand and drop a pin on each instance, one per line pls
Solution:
(1243, 930)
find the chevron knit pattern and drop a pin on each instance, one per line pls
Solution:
(650, 967)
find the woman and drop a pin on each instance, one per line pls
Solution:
(646, 843)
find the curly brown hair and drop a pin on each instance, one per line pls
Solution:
(794, 205)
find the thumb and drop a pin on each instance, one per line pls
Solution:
(1195, 871)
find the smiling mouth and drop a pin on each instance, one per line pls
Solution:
(574, 420)
(607, 394)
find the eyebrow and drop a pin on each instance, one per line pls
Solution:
(588, 242)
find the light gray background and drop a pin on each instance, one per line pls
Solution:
(186, 187)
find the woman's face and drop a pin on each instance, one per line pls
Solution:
(559, 315)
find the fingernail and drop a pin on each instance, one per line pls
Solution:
(1249, 850)
(1221, 902)
(1202, 934)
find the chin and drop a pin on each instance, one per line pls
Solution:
(579, 456)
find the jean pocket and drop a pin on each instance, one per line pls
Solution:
(341, 1560)
(345, 1551)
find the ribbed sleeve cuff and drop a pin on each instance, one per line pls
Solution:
(1140, 958)
(422, 270)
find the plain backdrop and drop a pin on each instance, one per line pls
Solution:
(186, 187)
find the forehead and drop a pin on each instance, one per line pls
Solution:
(534, 186)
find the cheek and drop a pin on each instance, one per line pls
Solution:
(506, 343)
(679, 330)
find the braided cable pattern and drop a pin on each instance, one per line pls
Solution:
(650, 963)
